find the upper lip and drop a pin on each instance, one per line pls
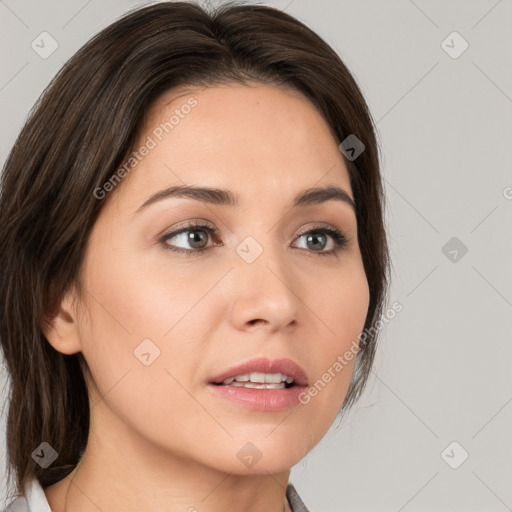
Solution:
(262, 364)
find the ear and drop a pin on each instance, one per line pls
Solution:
(61, 327)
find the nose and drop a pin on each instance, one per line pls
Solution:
(265, 293)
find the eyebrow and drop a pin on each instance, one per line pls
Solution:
(222, 197)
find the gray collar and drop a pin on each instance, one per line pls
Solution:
(296, 504)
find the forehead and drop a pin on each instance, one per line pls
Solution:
(254, 139)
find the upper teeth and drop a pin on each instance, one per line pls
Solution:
(271, 378)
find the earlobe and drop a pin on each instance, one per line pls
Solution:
(61, 330)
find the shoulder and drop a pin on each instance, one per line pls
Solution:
(18, 505)
(34, 499)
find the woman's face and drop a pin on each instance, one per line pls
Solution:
(167, 319)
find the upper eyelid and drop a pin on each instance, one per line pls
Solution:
(206, 224)
(194, 224)
(320, 226)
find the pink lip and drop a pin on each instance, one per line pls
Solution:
(262, 399)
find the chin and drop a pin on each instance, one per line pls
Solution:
(261, 450)
(267, 464)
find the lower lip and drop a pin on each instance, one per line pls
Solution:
(260, 399)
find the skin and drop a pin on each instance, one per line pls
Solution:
(159, 438)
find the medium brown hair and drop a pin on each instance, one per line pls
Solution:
(79, 133)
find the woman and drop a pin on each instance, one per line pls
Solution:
(194, 257)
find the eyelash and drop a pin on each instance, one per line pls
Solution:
(340, 240)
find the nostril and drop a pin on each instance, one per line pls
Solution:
(255, 321)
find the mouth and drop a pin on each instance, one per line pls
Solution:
(261, 384)
(261, 372)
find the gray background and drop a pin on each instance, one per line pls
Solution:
(442, 372)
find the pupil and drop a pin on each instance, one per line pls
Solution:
(315, 238)
(194, 237)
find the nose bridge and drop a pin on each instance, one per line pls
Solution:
(262, 257)
(264, 284)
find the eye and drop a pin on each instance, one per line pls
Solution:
(193, 239)
(194, 235)
(317, 239)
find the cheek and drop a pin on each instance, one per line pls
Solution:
(140, 295)
(341, 307)
(130, 314)
(140, 310)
